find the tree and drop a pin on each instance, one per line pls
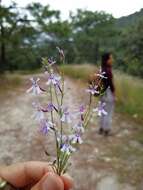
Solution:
(11, 24)
(92, 33)
(131, 46)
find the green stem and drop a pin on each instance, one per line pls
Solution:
(55, 132)
(88, 111)
(62, 97)
(56, 97)
(63, 163)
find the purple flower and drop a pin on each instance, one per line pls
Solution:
(35, 89)
(39, 115)
(46, 126)
(80, 112)
(100, 109)
(51, 61)
(101, 74)
(93, 90)
(53, 79)
(78, 128)
(66, 117)
(67, 148)
(50, 107)
(81, 109)
(76, 138)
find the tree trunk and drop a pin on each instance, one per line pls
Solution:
(2, 50)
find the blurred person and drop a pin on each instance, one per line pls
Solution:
(109, 95)
(35, 176)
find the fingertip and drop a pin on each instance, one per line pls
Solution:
(51, 181)
(68, 181)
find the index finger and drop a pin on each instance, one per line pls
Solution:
(22, 174)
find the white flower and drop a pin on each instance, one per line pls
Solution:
(101, 74)
(100, 109)
(35, 89)
(93, 90)
(39, 115)
(51, 61)
(46, 126)
(76, 138)
(66, 117)
(67, 148)
(53, 79)
(78, 128)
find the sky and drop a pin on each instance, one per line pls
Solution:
(117, 8)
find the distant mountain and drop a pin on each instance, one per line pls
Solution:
(130, 19)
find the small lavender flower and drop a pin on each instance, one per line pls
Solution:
(76, 138)
(100, 109)
(39, 115)
(78, 128)
(66, 116)
(93, 90)
(35, 89)
(46, 126)
(80, 112)
(81, 109)
(67, 148)
(50, 107)
(53, 79)
(101, 74)
(51, 61)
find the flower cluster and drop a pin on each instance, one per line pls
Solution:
(55, 116)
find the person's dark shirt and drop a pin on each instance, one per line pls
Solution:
(108, 82)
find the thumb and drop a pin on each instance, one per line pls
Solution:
(49, 181)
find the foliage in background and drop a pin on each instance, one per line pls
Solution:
(32, 32)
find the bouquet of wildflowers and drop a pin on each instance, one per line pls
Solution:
(47, 116)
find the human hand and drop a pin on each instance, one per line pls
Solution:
(35, 176)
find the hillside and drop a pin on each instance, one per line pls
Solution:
(130, 19)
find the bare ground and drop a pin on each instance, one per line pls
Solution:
(112, 163)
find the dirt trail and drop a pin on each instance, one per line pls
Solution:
(100, 163)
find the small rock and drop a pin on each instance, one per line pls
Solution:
(107, 159)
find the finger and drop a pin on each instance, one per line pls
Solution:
(50, 181)
(68, 181)
(22, 174)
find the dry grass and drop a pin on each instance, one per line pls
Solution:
(129, 90)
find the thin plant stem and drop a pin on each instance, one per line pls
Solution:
(52, 118)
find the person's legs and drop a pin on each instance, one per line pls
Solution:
(102, 118)
(106, 120)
